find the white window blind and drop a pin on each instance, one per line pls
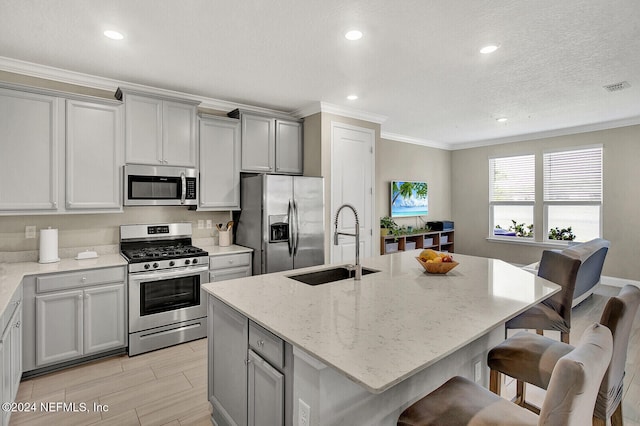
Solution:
(512, 179)
(573, 176)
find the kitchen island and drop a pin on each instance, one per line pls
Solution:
(365, 350)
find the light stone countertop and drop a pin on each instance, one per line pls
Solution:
(11, 274)
(215, 250)
(393, 323)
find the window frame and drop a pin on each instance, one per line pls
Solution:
(546, 204)
(523, 203)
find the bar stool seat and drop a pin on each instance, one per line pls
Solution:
(569, 401)
(529, 357)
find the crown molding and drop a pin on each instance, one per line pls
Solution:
(102, 83)
(416, 141)
(566, 131)
(326, 107)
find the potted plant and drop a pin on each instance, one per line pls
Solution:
(388, 226)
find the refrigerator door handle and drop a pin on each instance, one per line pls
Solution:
(290, 224)
(296, 233)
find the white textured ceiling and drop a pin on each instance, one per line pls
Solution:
(418, 63)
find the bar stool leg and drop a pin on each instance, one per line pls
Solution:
(564, 337)
(616, 417)
(495, 382)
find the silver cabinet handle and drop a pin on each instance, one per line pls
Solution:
(247, 361)
(260, 342)
(18, 324)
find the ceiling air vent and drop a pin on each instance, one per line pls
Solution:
(617, 86)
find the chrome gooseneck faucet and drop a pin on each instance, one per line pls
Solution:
(358, 269)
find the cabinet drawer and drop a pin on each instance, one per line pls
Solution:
(229, 274)
(229, 261)
(267, 344)
(85, 278)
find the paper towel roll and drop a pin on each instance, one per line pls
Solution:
(48, 246)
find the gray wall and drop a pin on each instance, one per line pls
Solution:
(621, 202)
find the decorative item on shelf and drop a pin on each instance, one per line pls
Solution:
(389, 227)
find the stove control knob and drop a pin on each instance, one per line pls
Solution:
(194, 261)
(155, 265)
(186, 262)
(147, 266)
(172, 263)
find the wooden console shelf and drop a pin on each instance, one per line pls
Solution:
(436, 240)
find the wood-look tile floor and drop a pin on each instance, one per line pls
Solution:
(164, 387)
(169, 386)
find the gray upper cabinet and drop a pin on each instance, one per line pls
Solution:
(93, 156)
(270, 144)
(219, 163)
(30, 134)
(288, 147)
(159, 129)
(59, 155)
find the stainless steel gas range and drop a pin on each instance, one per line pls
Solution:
(166, 304)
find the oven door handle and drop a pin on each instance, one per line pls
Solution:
(163, 274)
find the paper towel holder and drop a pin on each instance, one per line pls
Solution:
(48, 246)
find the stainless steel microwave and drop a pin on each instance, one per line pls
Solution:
(160, 185)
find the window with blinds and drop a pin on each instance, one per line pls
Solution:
(572, 193)
(512, 182)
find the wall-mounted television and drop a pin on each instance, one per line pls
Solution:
(409, 198)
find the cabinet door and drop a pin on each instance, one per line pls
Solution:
(228, 346)
(219, 164)
(58, 326)
(94, 146)
(143, 130)
(104, 318)
(5, 369)
(29, 134)
(16, 352)
(288, 147)
(266, 393)
(179, 134)
(258, 143)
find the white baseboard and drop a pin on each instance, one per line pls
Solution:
(618, 282)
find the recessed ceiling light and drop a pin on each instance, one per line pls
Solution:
(490, 48)
(113, 35)
(501, 119)
(353, 35)
(352, 97)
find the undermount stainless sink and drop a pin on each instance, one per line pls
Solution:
(329, 275)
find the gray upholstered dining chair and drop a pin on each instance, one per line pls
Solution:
(530, 358)
(569, 400)
(553, 313)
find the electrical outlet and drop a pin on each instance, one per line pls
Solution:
(200, 224)
(209, 224)
(304, 412)
(477, 372)
(30, 231)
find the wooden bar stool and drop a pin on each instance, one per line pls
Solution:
(530, 358)
(569, 400)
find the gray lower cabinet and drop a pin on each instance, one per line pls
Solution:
(11, 352)
(229, 266)
(250, 370)
(227, 363)
(266, 393)
(71, 324)
(72, 315)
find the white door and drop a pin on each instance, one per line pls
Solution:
(352, 160)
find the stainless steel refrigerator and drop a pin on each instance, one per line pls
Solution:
(282, 220)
